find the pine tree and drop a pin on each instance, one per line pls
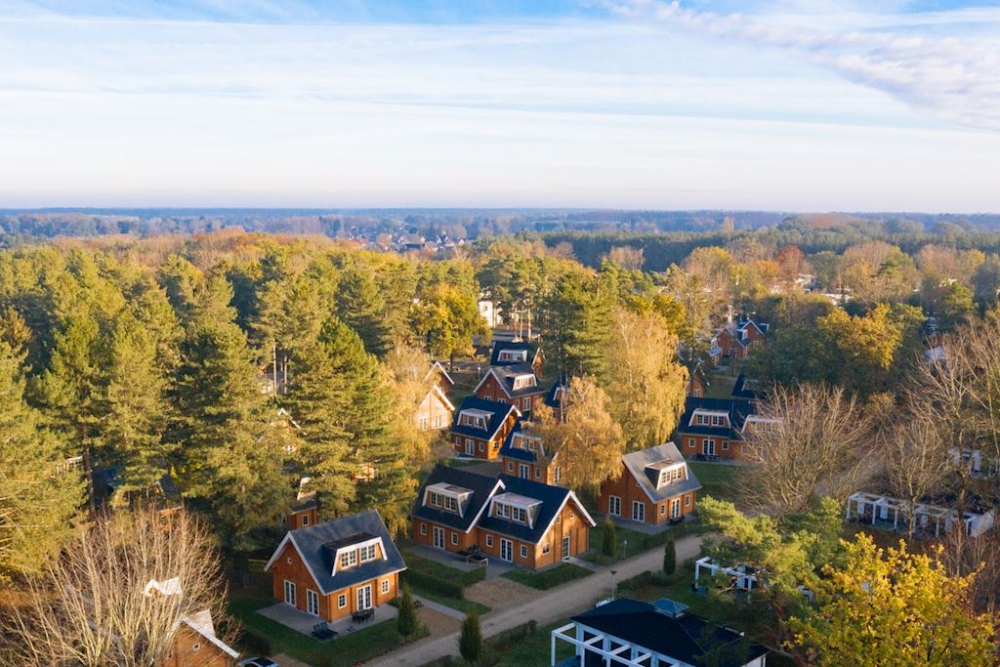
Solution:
(360, 305)
(39, 495)
(669, 557)
(470, 643)
(609, 540)
(231, 457)
(406, 622)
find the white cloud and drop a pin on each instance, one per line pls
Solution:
(956, 78)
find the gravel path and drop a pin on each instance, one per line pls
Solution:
(561, 602)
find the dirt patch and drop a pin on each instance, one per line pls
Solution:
(438, 623)
(500, 593)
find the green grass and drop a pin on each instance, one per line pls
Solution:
(519, 648)
(464, 606)
(637, 542)
(717, 479)
(720, 385)
(547, 579)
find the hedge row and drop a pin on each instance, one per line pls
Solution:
(442, 586)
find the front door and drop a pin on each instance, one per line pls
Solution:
(566, 547)
(506, 550)
(312, 602)
(708, 448)
(439, 537)
(470, 447)
(364, 598)
(523, 472)
(290, 592)
(675, 508)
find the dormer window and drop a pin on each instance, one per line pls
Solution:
(559, 395)
(516, 508)
(517, 356)
(526, 442)
(479, 419)
(670, 476)
(710, 418)
(448, 497)
(760, 424)
(348, 559)
(666, 472)
(357, 549)
(524, 381)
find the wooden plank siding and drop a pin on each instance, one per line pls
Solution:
(629, 491)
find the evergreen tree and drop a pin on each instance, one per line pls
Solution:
(609, 540)
(470, 643)
(669, 557)
(180, 280)
(231, 457)
(360, 305)
(406, 622)
(39, 495)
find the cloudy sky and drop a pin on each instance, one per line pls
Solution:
(789, 105)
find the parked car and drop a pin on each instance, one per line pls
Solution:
(257, 662)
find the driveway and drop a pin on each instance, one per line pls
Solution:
(546, 607)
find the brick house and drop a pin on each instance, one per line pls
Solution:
(655, 487)
(516, 384)
(480, 427)
(194, 643)
(525, 456)
(738, 340)
(507, 353)
(514, 520)
(713, 427)
(337, 568)
(436, 410)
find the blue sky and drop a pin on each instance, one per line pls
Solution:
(788, 105)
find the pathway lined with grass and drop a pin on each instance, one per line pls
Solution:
(553, 605)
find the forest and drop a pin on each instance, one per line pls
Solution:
(238, 369)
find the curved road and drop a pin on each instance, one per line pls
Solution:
(552, 605)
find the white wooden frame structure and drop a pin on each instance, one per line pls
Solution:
(744, 580)
(922, 514)
(626, 655)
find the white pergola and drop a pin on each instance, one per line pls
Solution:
(886, 508)
(625, 655)
(744, 580)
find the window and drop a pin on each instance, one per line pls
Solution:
(524, 551)
(451, 504)
(434, 499)
(368, 553)
(526, 404)
(482, 446)
(312, 602)
(458, 441)
(538, 473)
(305, 519)
(438, 421)
(638, 510)
(423, 423)
(557, 475)
(687, 501)
(510, 466)
(489, 541)
(195, 646)
(614, 506)
(725, 445)
(546, 549)
(469, 443)
(423, 529)
(454, 539)
(663, 509)
(523, 471)
(385, 586)
(342, 600)
(349, 558)
(691, 444)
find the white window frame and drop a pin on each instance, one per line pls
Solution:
(385, 587)
(638, 511)
(290, 592)
(489, 541)
(615, 505)
(341, 600)
(423, 528)
(454, 539)
(312, 602)
(364, 598)
(524, 551)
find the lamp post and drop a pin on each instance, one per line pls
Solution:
(613, 573)
(624, 547)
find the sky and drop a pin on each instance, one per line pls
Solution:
(783, 105)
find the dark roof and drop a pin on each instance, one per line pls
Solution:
(738, 409)
(761, 326)
(637, 463)
(686, 638)
(512, 452)
(507, 374)
(552, 498)
(480, 485)
(740, 389)
(498, 414)
(550, 395)
(317, 544)
(505, 345)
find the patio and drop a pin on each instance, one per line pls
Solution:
(303, 622)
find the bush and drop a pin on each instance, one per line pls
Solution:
(609, 546)
(470, 644)
(406, 622)
(669, 558)
(431, 583)
(547, 579)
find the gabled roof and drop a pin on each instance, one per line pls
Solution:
(510, 451)
(201, 622)
(747, 388)
(499, 345)
(436, 366)
(506, 375)
(313, 544)
(498, 415)
(550, 395)
(482, 488)
(738, 409)
(686, 638)
(636, 462)
(553, 499)
(756, 324)
(437, 391)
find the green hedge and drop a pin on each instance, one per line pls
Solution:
(432, 583)
(547, 579)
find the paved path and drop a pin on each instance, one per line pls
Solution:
(549, 606)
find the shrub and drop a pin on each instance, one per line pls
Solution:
(406, 622)
(470, 644)
(431, 583)
(609, 546)
(669, 558)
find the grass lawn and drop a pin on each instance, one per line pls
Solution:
(464, 606)
(519, 649)
(717, 479)
(440, 571)
(443, 573)
(637, 542)
(546, 579)
(720, 385)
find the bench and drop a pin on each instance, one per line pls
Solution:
(322, 631)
